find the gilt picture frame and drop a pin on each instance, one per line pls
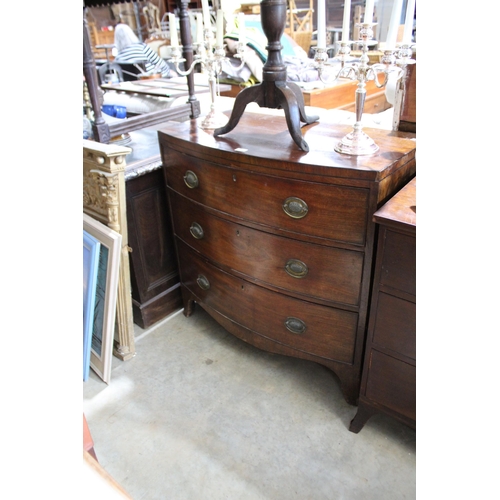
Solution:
(104, 311)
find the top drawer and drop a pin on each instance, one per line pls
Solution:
(399, 262)
(319, 210)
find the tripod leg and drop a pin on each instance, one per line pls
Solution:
(288, 101)
(255, 93)
(300, 101)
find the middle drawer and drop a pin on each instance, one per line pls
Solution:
(315, 271)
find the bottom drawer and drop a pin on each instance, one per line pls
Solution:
(319, 330)
(392, 383)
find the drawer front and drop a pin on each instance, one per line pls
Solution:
(313, 270)
(395, 325)
(318, 210)
(399, 262)
(307, 327)
(392, 383)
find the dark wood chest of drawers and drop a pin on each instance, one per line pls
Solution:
(276, 244)
(389, 371)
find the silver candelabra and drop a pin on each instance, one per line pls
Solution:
(395, 60)
(210, 55)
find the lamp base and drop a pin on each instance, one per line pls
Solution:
(356, 143)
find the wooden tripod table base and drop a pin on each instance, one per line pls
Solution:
(276, 95)
(274, 92)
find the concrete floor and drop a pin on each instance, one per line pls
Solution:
(198, 414)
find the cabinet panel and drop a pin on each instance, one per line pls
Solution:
(154, 276)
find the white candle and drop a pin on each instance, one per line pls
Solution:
(206, 14)
(392, 34)
(346, 22)
(368, 11)
(220, 28)
(241, 28)
(199, 28)
(321, 44)
(174, 40)
(410, 12)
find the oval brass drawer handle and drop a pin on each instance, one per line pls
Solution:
(295, 207)
(190, 179)
(296, 268)
(203, 282)
(197, 231)
(295, 325)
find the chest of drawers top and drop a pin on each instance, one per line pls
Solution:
(400, 212)
(262, 143)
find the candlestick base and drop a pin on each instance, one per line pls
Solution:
(214, 119)
(356, 143)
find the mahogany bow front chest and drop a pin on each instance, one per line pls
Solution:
(275, 243)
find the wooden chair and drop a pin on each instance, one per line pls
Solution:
(299, 24)
(152, 15)
(100, 39)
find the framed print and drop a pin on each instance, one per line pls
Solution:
(91, 252)
(103, 326)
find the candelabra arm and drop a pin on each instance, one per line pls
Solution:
(240, 54)
(210, 56)
(188, 71)
(321, 62)
(372, 73)
(348, 72)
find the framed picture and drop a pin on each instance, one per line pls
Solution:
(103, 321)
(91, 252)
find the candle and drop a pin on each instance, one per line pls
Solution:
(174, 41)
(392, 34)
(410, 12)
(206, 14)
(346, 22)
(321, 44)
(241, 28)
(199, 28)
(369, 11)
(220, 28)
